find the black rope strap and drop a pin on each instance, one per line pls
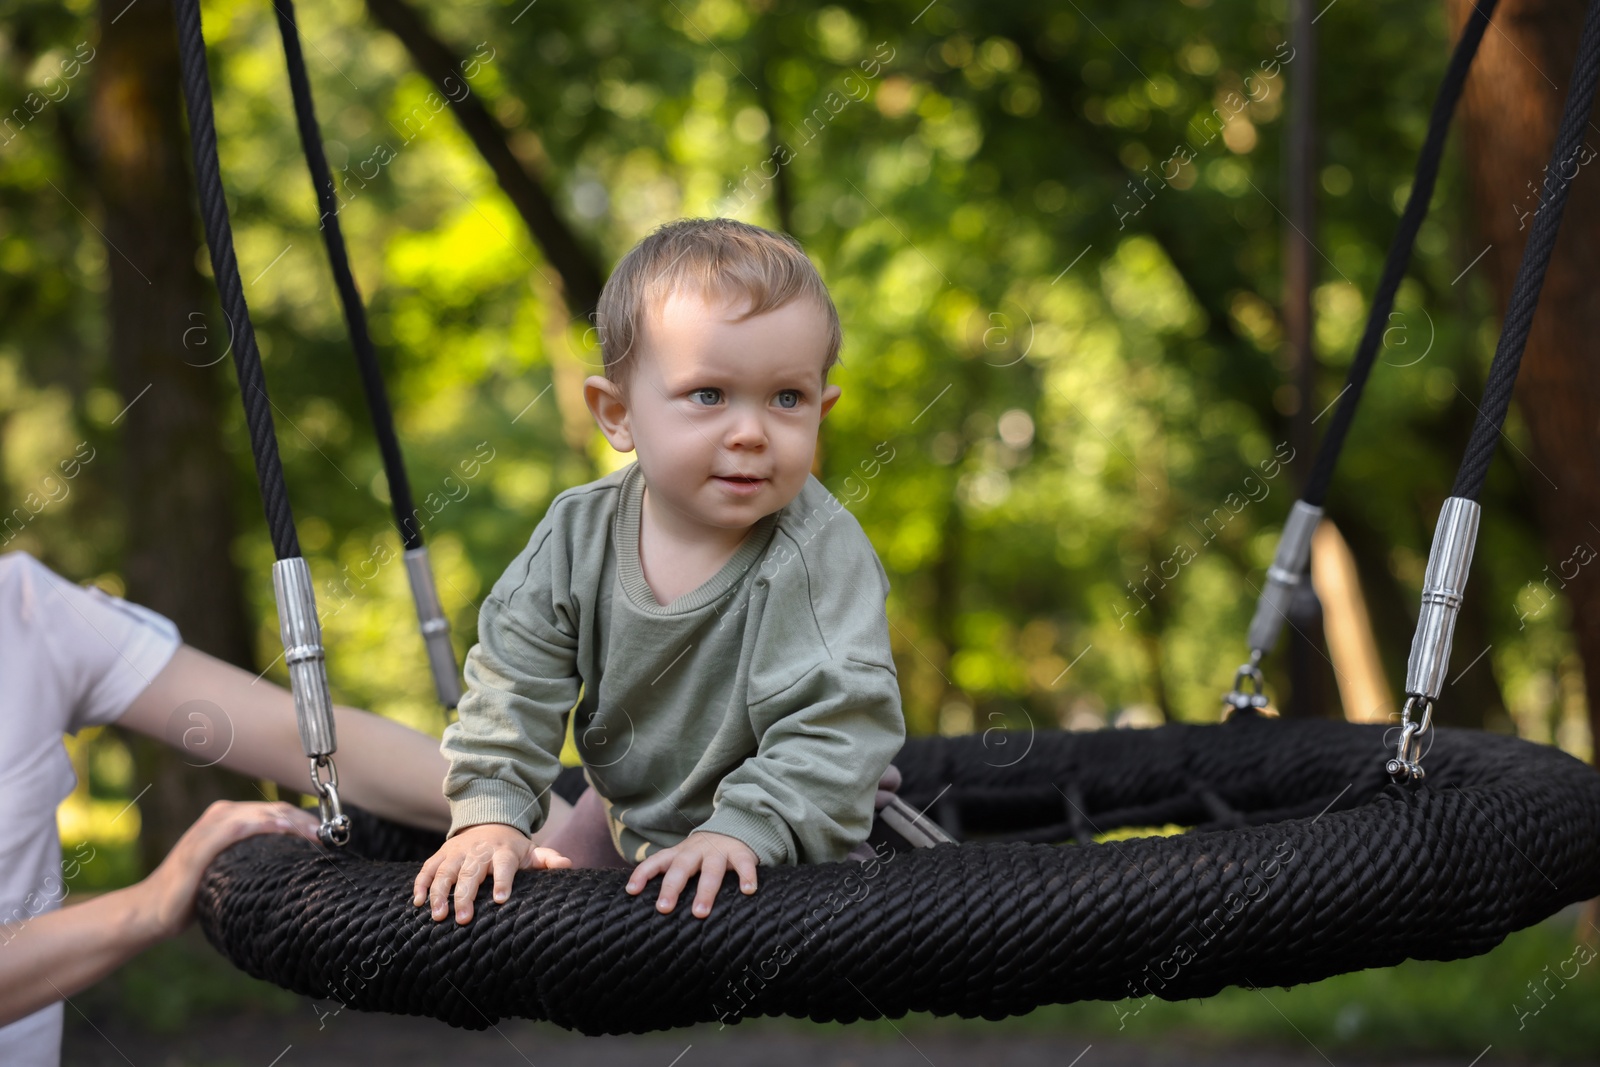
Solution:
(1394, 267)
(1431, 646)
(1504, 834)
(1536, 255)
(225, 268)
(355, 315)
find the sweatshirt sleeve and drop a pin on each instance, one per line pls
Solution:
(806, 796)
(825, 738)
(521, 681)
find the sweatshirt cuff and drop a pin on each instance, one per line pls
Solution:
(768, 842)
(487, 800)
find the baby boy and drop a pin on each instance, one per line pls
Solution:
(712, 616)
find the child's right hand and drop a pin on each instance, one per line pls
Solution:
(468, 856)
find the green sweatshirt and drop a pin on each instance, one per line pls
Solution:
(763, 705)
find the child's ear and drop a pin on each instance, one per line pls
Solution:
(610, 409)
(830, 395)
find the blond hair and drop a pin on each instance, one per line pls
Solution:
(710, 257)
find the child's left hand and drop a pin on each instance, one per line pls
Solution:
(704, 851)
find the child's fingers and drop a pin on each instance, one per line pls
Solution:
(745, 864)
(541, 856)
(649, 868)
(467, 883)
(712, 869)
(506, 862)
(682, 867)
(419, 888)
(439, 893)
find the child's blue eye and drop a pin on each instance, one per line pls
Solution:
(707, 389)
(794, 393)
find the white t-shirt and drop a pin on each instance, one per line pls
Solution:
(70, 657)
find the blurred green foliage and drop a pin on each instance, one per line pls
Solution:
(1073, 365)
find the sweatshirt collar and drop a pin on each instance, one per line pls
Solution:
(631, 571)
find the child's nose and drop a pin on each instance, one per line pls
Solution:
(747, 430)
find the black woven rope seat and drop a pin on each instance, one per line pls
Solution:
(1303, 863)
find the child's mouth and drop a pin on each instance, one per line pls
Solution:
(740, 485)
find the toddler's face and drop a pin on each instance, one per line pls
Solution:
(723, 413)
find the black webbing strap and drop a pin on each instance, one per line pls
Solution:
(1450, 559)
(355, 315)
(1536, 254)
(435, 628)
(298, 623)
(225, 268)
(1394, 267)
(1294, 544)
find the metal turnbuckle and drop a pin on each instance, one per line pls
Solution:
(308, 681)
(1406, 766)
(1443, 586)
(1286, 574)
(435, 628)
(1253, 702)
(335, 829)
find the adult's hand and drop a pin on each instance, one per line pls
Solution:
(53, 955)
(170, 889)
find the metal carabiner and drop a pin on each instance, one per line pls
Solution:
(1254, 702)
(1406, 766)
(335, 829)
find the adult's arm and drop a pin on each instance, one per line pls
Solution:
(54, 955)
(389, 769)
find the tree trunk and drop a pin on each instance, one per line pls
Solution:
(1511, 107)
(165, 349)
